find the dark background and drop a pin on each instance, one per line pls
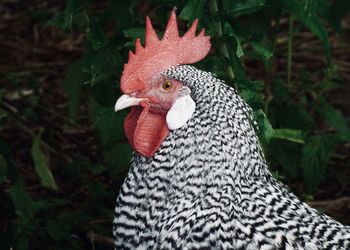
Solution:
(63, 153)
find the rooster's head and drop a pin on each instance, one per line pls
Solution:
(158, 103)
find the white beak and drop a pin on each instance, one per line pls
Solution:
(126, 101)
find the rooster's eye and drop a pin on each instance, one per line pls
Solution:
(168, 85)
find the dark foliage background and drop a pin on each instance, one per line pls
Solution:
(63, 153)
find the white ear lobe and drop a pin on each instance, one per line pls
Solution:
(180, 112)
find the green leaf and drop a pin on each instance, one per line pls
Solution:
(242, 7)
(72, 84)
(57, 229)
(97, 37)
(135, 33)
(315, 155)
(233, 59)
(266, 131)
(262, 50)
(69, 12)
(122, 12)
(101, 67)
(291, 116)
(96, 168)
(305, 12)
(58, 21)
(72, 7)
(108, 123)
(256, 86)
(286, 154)
(230, 33)
(65, 19)
(41, 167)
(334, 118)
(294, 6)
(289, 135)
(254, 99)
(118, 157)
(192, 10)
(24, 205)
(251, 91)
(278, 176)
(280, 91)
(316, 25)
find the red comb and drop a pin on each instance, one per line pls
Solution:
(159, 55)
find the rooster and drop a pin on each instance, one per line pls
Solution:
(198, 178)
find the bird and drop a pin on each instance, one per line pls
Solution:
(198, 177)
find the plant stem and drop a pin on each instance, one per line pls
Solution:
(213, 8)
(290, 49)
(271, 67)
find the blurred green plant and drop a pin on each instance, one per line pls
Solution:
(290, 111)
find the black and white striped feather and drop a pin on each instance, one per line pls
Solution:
(208, 186)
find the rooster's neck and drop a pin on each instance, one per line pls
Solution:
(217, 146)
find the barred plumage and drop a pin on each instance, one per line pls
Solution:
(208, 186)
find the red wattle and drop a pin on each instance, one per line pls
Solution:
(145, 130)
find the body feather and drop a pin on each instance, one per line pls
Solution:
(208, 186)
